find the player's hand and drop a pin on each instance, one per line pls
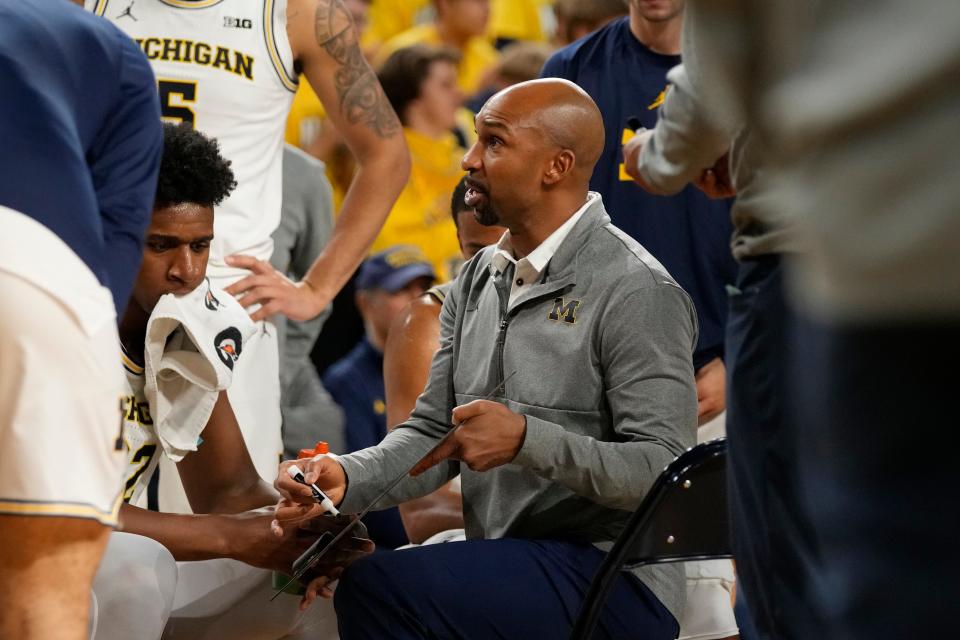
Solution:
(716, 182)
(274, 291)
(631, 159)
(322, 470)
(711, 390)
(354, 546)
(249, 538)
(487, 435)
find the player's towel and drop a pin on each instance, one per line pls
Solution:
(193, 343)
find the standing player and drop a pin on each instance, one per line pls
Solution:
(81, 147)
(230, 69)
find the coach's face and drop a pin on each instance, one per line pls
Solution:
(506, 163)
(175, 253)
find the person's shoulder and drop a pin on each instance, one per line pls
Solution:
(299, 162)
(620, 259)
(590, 45)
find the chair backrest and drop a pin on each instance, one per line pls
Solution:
(683, 517)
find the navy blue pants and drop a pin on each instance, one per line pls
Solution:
(772, 539)
(490, 589)
(879, 409)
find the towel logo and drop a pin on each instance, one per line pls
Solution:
(229, 344)
(565, 312)
(209, 300)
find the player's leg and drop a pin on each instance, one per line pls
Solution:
(228, 599)
(134, 588)
(60, 471)
(506, 588)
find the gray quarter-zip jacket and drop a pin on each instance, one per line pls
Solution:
(602, 349)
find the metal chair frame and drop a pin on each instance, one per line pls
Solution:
(683, 517)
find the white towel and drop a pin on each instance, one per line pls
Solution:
(193, 344)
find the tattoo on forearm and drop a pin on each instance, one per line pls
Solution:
(361, 98)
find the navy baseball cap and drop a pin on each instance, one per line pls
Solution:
(394, 268)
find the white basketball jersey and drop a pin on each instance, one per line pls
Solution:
(139, 434)
(226, 67)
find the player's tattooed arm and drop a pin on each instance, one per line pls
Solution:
(361, 99)
(326, 48)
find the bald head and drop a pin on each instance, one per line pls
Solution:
(562, 114)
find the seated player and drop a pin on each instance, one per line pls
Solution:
(413, 339)
(138, 583)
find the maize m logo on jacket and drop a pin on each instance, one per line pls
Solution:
(564, 311)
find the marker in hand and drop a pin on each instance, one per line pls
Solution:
(325, 502)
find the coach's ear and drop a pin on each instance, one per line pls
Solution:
(560, 165)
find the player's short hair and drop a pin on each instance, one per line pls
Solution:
(402, 74)
(192, 169)
(457, 205)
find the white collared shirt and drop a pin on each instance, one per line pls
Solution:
(527, 270)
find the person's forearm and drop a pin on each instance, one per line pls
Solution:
(241, 498)
(188, 537)
(613, 474)
(423, 517)
(370, 470)
(372, 194)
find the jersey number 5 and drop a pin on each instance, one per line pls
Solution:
(176, 98)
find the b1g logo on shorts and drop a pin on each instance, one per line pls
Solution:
(229, 344)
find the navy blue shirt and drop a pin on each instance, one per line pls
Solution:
(356, 384)
(688, 232)
(80, 133)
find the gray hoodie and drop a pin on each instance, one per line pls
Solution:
(602, 349)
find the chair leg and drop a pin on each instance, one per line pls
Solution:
(600, 586)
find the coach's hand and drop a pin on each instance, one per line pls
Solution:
(275, 292)
(322, 470)
(487, 435)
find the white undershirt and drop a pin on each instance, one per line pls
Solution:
(527, 270)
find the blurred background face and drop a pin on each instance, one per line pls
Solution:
(379, 307)
(175, 253)
(440, 97)
(657, 10)
(465, 16)
(473, 236)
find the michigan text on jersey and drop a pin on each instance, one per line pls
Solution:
(201, 53)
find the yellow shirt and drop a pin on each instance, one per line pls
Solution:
(421, 215)
(476, 58)
(387, 18)
(517, 19)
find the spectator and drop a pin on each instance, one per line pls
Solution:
(579, 18)
(519, 62)
(413, 339)
(553, 459)
(624, 66)
(306, 219)
(421, 84)
(387, 282)
(459, 25)
(79, 120)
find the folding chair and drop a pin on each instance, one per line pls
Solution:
(683, 517)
